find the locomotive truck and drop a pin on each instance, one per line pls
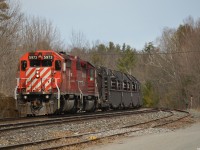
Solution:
(52, 82)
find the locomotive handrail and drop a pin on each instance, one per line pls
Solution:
(81, 93)
(15, 92)
(58, 92)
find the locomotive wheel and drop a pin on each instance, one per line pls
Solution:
(74, 109)
(93, 108)
(57, 112)
(68, 105)
(105, 108)
(62, 102)
(116, 107)
(121, 106)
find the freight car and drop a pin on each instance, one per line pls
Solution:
(54, 83)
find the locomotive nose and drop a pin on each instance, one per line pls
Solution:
(39, 79)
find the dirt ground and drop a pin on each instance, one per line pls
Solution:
(182, 139)
(7, 107)
(184, 135)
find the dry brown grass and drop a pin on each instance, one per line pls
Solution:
(7, 107)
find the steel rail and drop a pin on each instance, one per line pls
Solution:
(14, 126)
(87, 141)
(80, 135)
(172, 121)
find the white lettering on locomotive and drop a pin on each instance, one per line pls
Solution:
(48, 57)
(32, 57)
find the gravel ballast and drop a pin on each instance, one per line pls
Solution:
(59, 130)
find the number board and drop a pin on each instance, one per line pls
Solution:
(32, 57)
(48, 57)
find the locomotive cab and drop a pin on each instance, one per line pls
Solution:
(38, 82)
(51, 82)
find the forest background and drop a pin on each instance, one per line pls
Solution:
(169, 72)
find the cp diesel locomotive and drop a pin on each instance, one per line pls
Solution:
(49, 82)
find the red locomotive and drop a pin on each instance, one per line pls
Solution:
(51, 82)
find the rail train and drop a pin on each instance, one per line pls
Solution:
(50, 82)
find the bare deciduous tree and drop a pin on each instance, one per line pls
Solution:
(9, 38)
(39, 33)
(78, 40)
(173, 67)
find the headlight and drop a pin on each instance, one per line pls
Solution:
(47, 96)
(23, 90)
(25, 97)
(37, 75)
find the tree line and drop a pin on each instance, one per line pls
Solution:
(168, 71)
(18, 34)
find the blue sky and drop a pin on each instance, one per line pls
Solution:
(133, 22)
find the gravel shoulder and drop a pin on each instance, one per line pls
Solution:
(113, 125)
(58, 130)
(184, 138)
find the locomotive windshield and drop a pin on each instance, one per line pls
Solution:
(40, 63)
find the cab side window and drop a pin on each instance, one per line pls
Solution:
(91, 74)
(58, 65)
(23, 65)
(68, 63)
(78, 64)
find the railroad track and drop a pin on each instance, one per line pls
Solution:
(66, 141)
(67, 119)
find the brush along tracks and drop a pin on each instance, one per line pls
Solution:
(76, 139)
